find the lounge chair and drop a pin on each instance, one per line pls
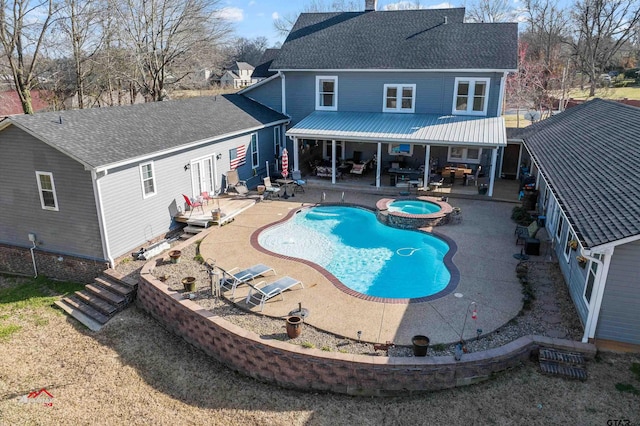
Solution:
(297, 179)
(258, 296)
(234, 277)
(270, 188)
(234, 183)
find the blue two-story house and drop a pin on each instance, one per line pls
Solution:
(409, 88)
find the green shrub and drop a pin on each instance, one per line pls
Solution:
(520, 215)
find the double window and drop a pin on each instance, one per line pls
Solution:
(327, 93)
(47, 190)
(399, 98)
(471, 96)
(147, 177)
(459, 154)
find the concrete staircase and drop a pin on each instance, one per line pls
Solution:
(109, 294)
(564, 364)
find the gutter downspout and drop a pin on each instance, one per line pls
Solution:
(104, 236)
(33, 259)
(596, 300)
(283, 94)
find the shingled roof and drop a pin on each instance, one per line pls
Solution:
(262, 70)
(406, 39)
(589, 156)
(99, 137)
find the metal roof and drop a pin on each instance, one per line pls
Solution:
(409, 128)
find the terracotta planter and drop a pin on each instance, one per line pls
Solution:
(294, 326)
(189, 284)
(175, 256)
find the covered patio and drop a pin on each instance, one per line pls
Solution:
(401, 150)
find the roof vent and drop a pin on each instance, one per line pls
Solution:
(60, 119)
(370, 5)
(445, 19)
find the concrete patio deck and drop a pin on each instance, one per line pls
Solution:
(484, 258)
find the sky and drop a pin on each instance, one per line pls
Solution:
(254, 18)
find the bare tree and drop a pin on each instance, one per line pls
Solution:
(165, 36)
(601, 27)
(80, 21)
(250, 50)
(23, 27)
(284, 23)
(491, 11)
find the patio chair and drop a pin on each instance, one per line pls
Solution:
(474, 177)
(235, 277)
(234, 183)
(192, 204)
(206, 197)
(524, 232)
(297, 179)
(270, 188)
(258, 296)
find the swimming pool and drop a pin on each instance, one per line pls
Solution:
(414, 207)
(363, 254)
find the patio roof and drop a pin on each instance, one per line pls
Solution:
(406, 128)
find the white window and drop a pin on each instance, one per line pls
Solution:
(47, 190)
(255, 160)
(471, 96)
(148, 180)
(399, 98)
(327, 93)
(459, 154)
(559, 228)
(567, 247)
(591, 278)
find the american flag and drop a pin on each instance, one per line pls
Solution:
(238, 156)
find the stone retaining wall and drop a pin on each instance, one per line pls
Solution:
(292, 366)
(17, 260)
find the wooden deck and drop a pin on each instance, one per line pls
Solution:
(229, 207)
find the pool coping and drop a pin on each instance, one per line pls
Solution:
(447, 260)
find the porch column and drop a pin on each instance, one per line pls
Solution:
(296, 154)
(427, 165)
(378, 158)
(492, 176)
(333, 161)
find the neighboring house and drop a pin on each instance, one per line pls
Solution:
(238, 76)
(585, 160)
(92, 185)
(10, 102)
(419, 85)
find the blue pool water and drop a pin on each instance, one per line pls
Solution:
(365, 255)
(414, 207)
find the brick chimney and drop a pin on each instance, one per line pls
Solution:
(370, 5)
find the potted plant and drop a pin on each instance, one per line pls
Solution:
(189, 284)
(582, 261)
(175, 256)
(573, 244)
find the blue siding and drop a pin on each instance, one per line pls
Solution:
(619, 319)
(363, 91)
(269, 94)
(72, 230)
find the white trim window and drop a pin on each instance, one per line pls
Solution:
(559, 228)
(399, 98)
(326, 93)
(47, 191)
(255, 157)
(460, 154)
(567, 245)
(148, 179)
(591, 278)
(471, 96)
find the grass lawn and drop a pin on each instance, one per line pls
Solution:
(135, 372)
(607, 93)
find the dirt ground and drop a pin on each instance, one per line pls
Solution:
(135, 372)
